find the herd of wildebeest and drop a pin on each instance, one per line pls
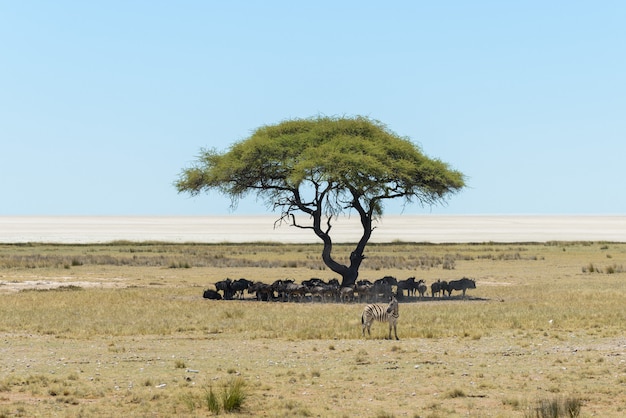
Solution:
(318, 290)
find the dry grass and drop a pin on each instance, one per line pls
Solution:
(110, 330)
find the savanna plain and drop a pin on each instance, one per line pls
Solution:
(122, 329)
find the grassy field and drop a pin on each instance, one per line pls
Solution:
(123, 330)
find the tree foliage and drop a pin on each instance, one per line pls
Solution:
(323, 167)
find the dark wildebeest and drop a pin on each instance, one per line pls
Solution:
(320, 290)
(296, 290)
(263, 291)
(346, 294)
(383, 287)
(421, 288)
(225, 286)
(279, 286)
(211, 294)
(314, 281)
(408, 285)
(462, 284)
(238, 286)
(363, 289)
(438, 288)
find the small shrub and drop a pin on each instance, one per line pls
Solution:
(556, 408)
(449, 262)
(456, 393)
(590, 268)
(234, 395)
(572, 407)
(361, 357)
(514, 403)
(615, 269)
(179, 265)
(612, 269)
(212, 402)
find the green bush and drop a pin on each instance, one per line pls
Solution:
(212, 402)
(233, 395)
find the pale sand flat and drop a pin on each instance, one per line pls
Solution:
(236, 228)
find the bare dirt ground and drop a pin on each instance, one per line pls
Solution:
(496, 376)
(57, 282)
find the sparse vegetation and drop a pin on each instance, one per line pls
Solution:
(234, 395)
(555, 408)
(123, 339)
(212, 402)
(611, 269)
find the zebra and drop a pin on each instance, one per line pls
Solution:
(382, 314)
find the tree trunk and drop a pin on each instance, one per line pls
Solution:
(349, 274)
(348, 279)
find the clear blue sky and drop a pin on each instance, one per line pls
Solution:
(103, 103)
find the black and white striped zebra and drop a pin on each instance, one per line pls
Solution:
(380, 313)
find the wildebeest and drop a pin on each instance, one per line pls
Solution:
(288, 289)
(238, 286)
(408, 285)
(438, 288)
(325, 292)
(363, 289)
(313, 281)
(279, 286)
(462, 284)
(225, 286)
(321, 290)
(262, 290)
(291, 289)
(421, 288)
(211, 294)
(346, 294)
(383, 287)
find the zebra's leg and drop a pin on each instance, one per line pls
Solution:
(395, 331)
(365, 324)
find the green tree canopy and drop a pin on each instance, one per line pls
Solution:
(323, 167)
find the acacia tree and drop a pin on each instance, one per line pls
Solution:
(324, 167)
